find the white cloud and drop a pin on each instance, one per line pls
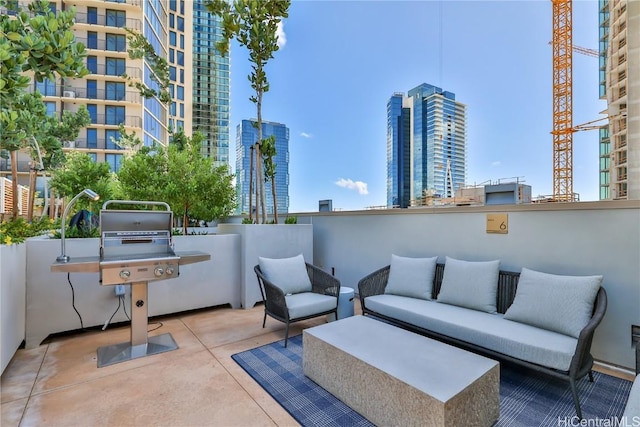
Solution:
(305, 135)
(353, 185)
(496, 163)
(280, 34)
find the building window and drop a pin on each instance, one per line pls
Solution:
(92, 64)
(46, 87)
(115, 91)
(172, 57)
(172, 38)
(180, 58)
(116, 42)
(114, 115)
(172, 73)
(181, 75)
(94, 157)
(92, 15)
(92, 40)
(180, 24)
(92, 89)
(172, 20)
(181, 41)
(116, 18)
(115, 66)
(181, 93)
(182, 110)
(111, 137)
(93, 112)
(51, 108)
(92, 138)
(173, 5)
(114, 161)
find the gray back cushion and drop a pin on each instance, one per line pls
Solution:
(557, 303)
(471, 284)
(411, 277)
(289, 274)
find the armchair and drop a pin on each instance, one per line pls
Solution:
(293, 290)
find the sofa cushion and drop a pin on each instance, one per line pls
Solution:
(309, 303)
(558, 303)
(411, 277)
(289, 274)
(471, 284)
(490, 331)
(632, 410)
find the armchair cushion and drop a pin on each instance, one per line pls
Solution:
(289, 274)
(308, 303)
(556, 303)
(471, 284)
(411, 277)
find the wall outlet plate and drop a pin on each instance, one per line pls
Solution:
(119, 290)
(635, 334)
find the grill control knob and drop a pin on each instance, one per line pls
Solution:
(124, 274)
(159, 271)
(169, 271)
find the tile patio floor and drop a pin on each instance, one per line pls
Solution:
(59, 384)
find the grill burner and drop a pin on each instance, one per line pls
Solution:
(135, 248)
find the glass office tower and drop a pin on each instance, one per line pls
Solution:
(430, 125)
(199, 77)
(246, 136)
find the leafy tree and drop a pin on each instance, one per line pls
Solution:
(80, 172)
(180, 176)
(254, 25)
(35, 40)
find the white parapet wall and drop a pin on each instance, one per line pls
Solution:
(13, 260)
(565, 238)
(49, 307)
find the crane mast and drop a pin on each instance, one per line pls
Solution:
(562, 45)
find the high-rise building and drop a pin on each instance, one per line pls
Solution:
(426, 145)
(199, 77)
(100, 26)
(246, 137)
(619, 22)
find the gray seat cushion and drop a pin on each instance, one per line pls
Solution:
(471, 284)
(309, 303)
(632, 410)
(491, 331)
(411, 277)
(558, 303)
(288, 274)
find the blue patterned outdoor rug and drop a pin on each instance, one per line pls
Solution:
(527, 398)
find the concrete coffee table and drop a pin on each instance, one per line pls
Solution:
(396, 377)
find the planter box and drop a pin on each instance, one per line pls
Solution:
(13, 260)
(270, 241)
(49, 297)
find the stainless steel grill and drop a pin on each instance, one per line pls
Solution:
(136, 247)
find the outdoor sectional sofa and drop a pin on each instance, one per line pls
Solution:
(542, 321)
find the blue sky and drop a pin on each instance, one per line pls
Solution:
(342, 60)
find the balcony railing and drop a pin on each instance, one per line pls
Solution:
(102, 119)
(102, 70)
(99, 144)
(102, 94)
(108, 21)
(102, 44)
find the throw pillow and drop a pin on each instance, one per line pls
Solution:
(471, 284)
(557, 303)
(289, 274)
(411, 277)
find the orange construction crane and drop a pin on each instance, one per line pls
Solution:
(562, 45)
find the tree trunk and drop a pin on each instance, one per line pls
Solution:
(259, 173)
(32, 193)
(185, 223)
(14, 183)
(251, 150)
(275, 203)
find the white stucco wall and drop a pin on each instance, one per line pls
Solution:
(12, 300)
